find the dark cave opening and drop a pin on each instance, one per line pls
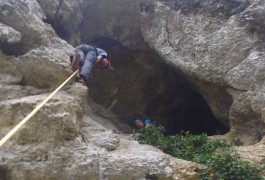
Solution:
(196, 117)
(142, 86)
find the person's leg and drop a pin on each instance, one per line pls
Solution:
(88, 64)
(77, 63)
(79, 56)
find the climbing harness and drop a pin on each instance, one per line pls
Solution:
(16, 128)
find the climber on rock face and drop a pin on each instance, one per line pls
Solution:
(85, 57)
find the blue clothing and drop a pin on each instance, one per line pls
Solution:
(101, 52)
(88, 55)
(85, 48)
(87, 64)
(147, 121)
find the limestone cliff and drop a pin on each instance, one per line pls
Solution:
(71, 137)
(163, 47)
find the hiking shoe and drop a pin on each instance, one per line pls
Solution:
(75, 62)
(80, 80)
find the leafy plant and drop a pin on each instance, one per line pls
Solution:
(222, 160)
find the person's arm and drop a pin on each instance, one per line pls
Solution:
(101, 52)
(101, 55)
(99, 58)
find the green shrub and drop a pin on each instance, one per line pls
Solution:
(222, 160)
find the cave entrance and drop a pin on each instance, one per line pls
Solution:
(194, 116)
(142, 86)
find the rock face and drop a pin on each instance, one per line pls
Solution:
(71, 136)
(216, 48)
(26, 18)
(9, 35)
(64, 140)
(218, 43)
(84, 20)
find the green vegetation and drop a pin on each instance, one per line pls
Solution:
(219, 156)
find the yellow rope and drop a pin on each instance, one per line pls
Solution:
(16, 128)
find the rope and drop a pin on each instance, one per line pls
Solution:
(16, 128)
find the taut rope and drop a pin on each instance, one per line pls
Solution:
(17, 127)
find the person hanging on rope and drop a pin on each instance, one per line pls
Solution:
(86, 56)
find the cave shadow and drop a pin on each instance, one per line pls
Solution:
(195, 117)
(143, 86)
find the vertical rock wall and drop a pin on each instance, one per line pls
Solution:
(218, 46)
(70, 137)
